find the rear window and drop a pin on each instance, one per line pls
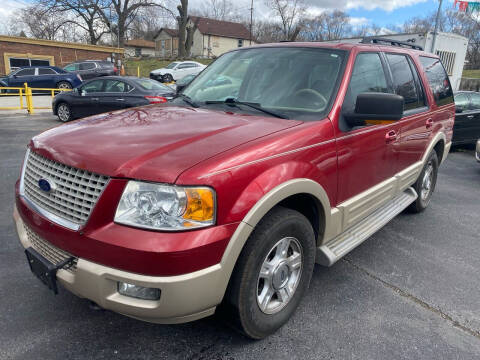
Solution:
(438, 80)
(148, 84)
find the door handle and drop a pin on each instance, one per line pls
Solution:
(120, 99)
(95, 99)
(470, 117)
(429, 123)
(391, 136)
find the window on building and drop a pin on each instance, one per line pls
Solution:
(438, 80)
(16, 63)
(46, 71)
(403, 81)
(240, 42)
(138, 52)
(26, 72)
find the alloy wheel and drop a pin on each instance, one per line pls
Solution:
(63, 112)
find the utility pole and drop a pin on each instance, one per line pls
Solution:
(435, 31)
(251, 22)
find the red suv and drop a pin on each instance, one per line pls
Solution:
(275, 157)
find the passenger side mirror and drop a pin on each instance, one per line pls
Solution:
(375, 106)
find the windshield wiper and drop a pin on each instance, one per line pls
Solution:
(188, 100)
(256, 106)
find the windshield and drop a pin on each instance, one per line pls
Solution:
(296, 82)
(171, 65)
(148, 84)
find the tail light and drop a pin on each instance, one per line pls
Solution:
(156, 99)
(115, 70)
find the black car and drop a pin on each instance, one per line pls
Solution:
(107, 94)
(467, 118)
(89, 69)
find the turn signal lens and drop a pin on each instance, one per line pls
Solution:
(200, 204)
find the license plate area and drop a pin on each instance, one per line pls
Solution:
(44, 269)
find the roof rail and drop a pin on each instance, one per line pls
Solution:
(377, 40)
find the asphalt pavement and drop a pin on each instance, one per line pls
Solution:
(411, 291)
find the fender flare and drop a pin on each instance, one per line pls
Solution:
(259, 210)
(440, 136)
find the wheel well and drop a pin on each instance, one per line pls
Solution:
(439, 148)
(309, 207)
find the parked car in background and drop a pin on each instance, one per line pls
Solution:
(467, 117)
(41, 77)
(176, 71)
(108, 94)
(89, 69)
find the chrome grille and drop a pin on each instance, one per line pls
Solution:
(48, 251)
(76, 192)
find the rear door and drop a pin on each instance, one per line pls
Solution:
(475, 111)
(116, 95)
(46, 78)
(416, 125)
(87, 70)
(464, 119)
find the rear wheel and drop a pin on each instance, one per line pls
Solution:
(64, 112)
(64, 85)
(425, 184)
(272, 273)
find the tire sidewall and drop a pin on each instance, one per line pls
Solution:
(423, 204)
(292, 225)
(69, 112)
(64, 82)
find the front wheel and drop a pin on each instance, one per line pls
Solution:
(425, 184)
(167, 78)
(64, 112)
(272, 273)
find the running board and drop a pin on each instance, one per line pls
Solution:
(329, 253)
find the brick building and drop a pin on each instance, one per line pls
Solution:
(19, 51)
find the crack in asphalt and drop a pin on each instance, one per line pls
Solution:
(416, 300)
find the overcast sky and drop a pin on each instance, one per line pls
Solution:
(381, 12)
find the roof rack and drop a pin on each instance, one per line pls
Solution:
(377, 40)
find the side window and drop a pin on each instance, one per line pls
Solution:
(461, 101)
(403, 82)
(26, 72)
(92, 87)
(115, 86)
(438, 80)
(46, 71)
(367, 76)
(475, 101)
(71, 67)
(87, 66)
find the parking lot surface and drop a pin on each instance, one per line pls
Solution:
(411, 291)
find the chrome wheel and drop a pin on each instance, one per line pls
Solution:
(427, 181)
(279, 275)
(63, 112)
(64, 85)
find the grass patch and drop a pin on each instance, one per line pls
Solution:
(474, 74)
(148, 64)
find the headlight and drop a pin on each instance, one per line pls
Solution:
(166, 207)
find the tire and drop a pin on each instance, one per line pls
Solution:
(64, 85)
(64, 112)
(167, 78)
(425, 184)
(258, 303)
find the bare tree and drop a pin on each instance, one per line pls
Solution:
(290, 12)
(266, 32)
(42, 23)
(330, 25)
(185, 30)
(217, 9)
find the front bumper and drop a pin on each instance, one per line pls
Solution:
(183, 298)
(157, 77)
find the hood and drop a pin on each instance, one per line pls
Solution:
(155, 143)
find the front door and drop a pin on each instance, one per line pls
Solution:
(22, 76)
(86, 101)
(115, 95)
(365, 154)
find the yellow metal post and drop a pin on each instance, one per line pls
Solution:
(20, 92)
(138, 71)
(28, 93)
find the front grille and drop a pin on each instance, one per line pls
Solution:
(48, 251)
(76, 191)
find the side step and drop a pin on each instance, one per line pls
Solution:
(329, 253)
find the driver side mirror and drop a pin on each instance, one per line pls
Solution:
(376, 106)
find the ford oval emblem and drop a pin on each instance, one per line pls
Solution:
(46, 185)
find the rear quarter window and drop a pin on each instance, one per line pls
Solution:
(438, 80)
